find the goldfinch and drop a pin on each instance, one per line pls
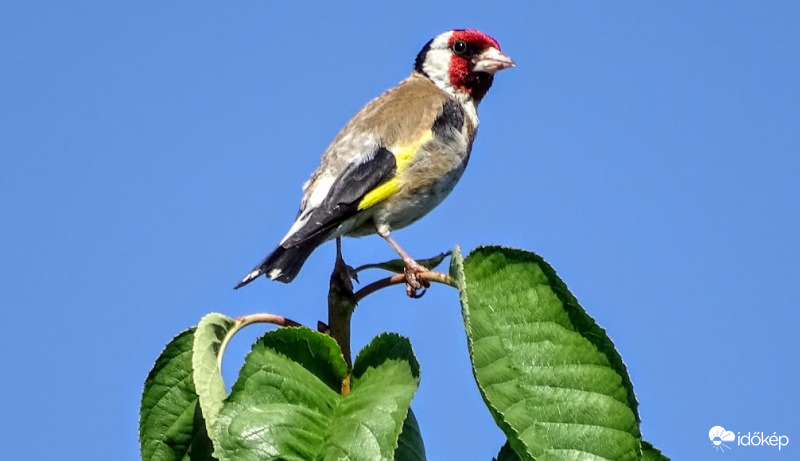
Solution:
(397, 158)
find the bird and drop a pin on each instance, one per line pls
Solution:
(397, 158)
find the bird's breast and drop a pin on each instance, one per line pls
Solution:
(425, 182)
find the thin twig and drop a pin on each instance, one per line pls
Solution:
(397, 279)
(250, 319)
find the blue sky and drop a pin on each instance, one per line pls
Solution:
(152, 153)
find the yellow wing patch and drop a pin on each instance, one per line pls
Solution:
(380, 193)
(403, 156)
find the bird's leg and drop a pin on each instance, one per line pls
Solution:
(413, 268)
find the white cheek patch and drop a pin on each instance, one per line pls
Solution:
(437, 67)
(437, 62)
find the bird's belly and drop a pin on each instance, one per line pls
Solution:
(412, 203)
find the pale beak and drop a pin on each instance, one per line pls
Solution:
(491, 61)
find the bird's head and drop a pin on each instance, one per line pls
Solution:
(462, 62)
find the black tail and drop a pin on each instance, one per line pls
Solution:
(283, 264)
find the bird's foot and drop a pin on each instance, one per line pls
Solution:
(413, 282)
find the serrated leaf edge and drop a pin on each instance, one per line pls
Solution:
(457, 273)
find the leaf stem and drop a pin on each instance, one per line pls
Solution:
(397, 265)
(250, 319)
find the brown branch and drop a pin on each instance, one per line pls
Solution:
(342, 300)
(341, 304)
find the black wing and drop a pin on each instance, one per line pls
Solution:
(342, 201)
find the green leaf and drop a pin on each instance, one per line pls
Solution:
(409, 445)
(507, 453)
(385, 346)
(386, 376)
(398, 266)
(207, 376)
(287, 405)
(550, 376)
(651, 453)
(171, 426)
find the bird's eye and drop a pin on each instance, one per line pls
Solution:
(460, 47)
